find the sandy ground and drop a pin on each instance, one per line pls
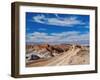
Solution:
(74, 56)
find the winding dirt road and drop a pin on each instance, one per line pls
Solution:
(62, 59)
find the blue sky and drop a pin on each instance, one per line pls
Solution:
(57, 28)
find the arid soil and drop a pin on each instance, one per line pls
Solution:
(56, 55)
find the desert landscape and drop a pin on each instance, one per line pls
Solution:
(56, 55)
(56, 39)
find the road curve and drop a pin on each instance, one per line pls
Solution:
(62, 59)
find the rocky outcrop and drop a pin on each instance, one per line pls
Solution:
(46, 51)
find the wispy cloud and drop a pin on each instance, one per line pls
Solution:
(58, 21)
(64, 37)
(57, 28)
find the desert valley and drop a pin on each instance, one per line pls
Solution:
(56, 55)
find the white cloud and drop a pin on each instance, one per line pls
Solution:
(69, 33)
(38, 18)
(37, 34)
(64, 37)
(58, 21)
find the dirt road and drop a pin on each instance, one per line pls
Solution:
(62, 59)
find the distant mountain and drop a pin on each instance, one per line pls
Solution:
(81, 42)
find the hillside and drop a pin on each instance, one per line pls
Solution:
(52, 55)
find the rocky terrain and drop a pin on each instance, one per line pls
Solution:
(52, 55)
